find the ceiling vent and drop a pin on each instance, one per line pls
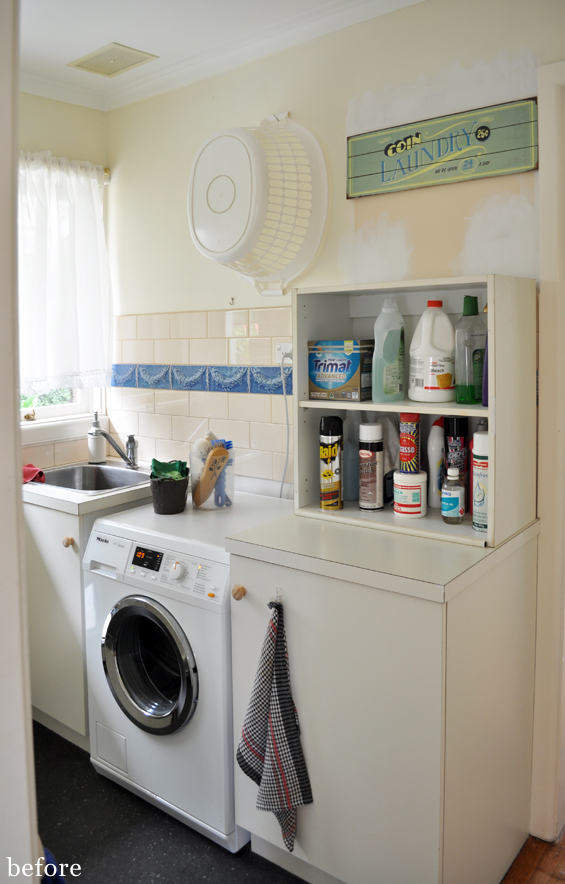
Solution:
(112, 60)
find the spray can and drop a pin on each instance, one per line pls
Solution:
(331, 463)
(409, 443)
(436, 454)
(480, 482)
(457, 449)
(371, 459)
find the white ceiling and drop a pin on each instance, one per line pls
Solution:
(193, 39)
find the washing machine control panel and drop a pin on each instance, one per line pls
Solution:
(200, 578)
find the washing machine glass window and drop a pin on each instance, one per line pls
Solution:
(149, 665)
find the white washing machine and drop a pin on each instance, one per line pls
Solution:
(158, 652)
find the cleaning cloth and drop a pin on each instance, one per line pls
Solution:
(174, 469)
(270, 752)
(32, 474)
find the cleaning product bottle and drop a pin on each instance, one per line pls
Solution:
(480, 482)
(409, 453)
(96, 442)
(432, 357)
(350, 477)
(452, 498)
(331, 462)
(456, 443)
(371, 460)
(470, 340)
(388, 355)
(481, 427)
(435, 463)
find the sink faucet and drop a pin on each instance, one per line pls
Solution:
(97, 449)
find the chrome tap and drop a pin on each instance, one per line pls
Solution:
(130, 457)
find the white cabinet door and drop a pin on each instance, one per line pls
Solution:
(366, 672)
(53, 575)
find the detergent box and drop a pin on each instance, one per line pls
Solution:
(339, 370)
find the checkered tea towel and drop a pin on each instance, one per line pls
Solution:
(269, 751)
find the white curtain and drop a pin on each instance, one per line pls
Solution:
(65, 309)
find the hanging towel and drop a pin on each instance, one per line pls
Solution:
(32, 474)
(270, 751)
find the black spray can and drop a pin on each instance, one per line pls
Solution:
(456, 447)
(331, 463)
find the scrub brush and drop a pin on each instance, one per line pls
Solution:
(215, 463)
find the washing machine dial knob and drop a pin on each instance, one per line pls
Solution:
(177, 571)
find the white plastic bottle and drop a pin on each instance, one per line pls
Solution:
(480, 481)
(432, 357)
(388, 356)
(436, 454)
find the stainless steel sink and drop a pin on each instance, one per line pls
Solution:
(94, 478)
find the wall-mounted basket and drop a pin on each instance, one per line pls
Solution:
(258, 200)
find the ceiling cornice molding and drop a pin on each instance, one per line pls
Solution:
(47, 87)
(302, 28)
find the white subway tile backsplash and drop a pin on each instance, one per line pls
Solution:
(249, 407)
(188, 325)
(41, 456)
(138, 400)
(137, 352)
(269, 437)
(171, 402)
(270, 321)
(208, 351)
(114, 398)
(146, 449)
(228, 324)
(166, 449)
(189, 429)
(234, 431)
(204, 404)
(278, 467)
(278, 410)
(116, 352)
(70, 451)
(159, 426)
(250, 351)
(171, 352)
(125, 328)
(153, 326)
(258, 464)
(124, 422)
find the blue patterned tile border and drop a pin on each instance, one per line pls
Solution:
(228, 378)
(157, 377)
(189, 377)
(215, 378)
(124, 376)
(268, 380)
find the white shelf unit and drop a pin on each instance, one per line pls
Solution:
(345, 312)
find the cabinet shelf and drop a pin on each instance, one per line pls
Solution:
(408, 405)
(349, 312)
(431, 525)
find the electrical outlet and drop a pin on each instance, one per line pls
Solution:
(281, 349)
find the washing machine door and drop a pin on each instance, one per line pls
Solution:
(149, 665)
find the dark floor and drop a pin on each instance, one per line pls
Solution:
(117, 838)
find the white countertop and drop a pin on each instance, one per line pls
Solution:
(206, 529)
(429, 569)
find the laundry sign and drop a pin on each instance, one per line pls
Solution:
(491, 141)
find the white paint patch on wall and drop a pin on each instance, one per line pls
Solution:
(451, 90)
(501, 237)
(380, 251)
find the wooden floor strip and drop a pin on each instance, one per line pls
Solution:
(539, 862)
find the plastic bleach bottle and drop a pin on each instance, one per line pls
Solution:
(432, 357)
(436, 459)
(388, 355)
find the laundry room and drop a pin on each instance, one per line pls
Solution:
(200, 347)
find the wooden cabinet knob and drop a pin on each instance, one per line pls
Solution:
(238, 592)
(68, 541)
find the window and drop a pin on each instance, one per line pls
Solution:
(64, 288)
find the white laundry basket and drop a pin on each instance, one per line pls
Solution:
(257, 200)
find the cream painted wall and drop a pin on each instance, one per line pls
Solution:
(67, 130)
(152, 144)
